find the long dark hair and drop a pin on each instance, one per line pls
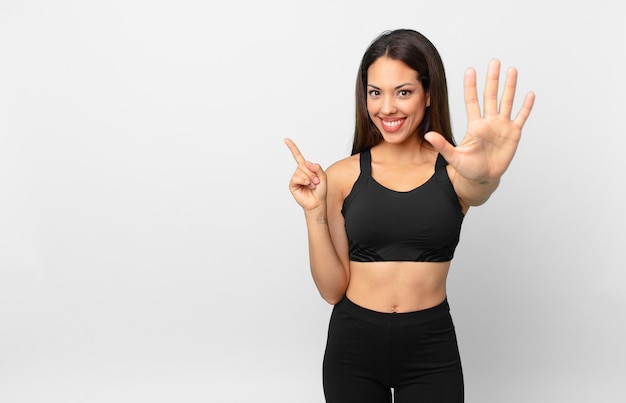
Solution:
(417, 52)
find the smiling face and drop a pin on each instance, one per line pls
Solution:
(396, 100)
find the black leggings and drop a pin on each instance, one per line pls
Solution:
(369, 352)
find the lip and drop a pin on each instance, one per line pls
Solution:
(392, 125)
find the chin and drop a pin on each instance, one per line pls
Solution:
(396, 138)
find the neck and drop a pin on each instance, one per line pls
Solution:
(415, 151)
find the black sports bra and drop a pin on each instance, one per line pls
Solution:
(421, 225)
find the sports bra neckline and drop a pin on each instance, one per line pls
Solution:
(415, 189)
(366, 169)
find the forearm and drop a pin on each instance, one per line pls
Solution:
(474, 192)
(329, 274)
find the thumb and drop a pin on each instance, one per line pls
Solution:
(441, 145)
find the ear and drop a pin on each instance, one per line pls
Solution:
(428, 99)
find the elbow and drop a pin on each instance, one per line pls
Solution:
(334, 295)
(333, 299)
(332, 290)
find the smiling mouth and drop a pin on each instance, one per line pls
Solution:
(392, 124)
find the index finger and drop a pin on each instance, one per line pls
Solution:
(471, 96)
(297, 155)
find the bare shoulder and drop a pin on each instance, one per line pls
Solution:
(342, 175)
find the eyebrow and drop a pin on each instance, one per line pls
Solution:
(396, 88)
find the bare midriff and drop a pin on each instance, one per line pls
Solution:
(397, 286)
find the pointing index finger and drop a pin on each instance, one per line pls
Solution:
(297, 155)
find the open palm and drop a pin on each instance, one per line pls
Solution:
(492, 137)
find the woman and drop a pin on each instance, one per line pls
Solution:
(383, 223)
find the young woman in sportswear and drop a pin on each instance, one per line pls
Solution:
(383, 223)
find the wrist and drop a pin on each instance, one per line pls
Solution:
(485, 181)
(317, 215)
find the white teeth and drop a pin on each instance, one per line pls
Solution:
(392, 124)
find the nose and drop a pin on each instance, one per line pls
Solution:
(388, 106)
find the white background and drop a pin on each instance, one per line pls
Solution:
(150, 249)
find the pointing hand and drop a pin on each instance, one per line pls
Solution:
(308, 183)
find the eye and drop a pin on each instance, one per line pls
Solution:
(404, 93)
(373, 93)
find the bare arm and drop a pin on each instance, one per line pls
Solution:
(310, 187)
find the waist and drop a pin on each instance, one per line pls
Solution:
(397, 286)
(422, 316)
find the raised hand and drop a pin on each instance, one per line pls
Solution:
(308, 183)
(492, 138)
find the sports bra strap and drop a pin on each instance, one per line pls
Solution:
(441, 163)
(366, 162)
(365, 158)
